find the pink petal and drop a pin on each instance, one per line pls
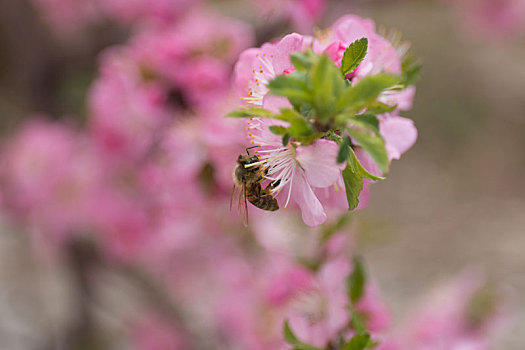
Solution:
(311, 209)
(289, 44)
(319, 162)
(399, 133)
(350, 28)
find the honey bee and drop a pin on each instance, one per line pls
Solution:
(247, 181)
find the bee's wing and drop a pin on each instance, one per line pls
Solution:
(242, 206)
(234, 189)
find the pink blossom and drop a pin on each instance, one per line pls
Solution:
(48, 176)
(126, 110)
(302, 13)
(445, 320)
(194, 55)
(373, 308)
(493, 17)
(154, 333)
(256, 67)
(297, 169)
(319, 314)
(150, 12)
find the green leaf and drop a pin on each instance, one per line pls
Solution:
(357, 322)
(380, 108)
(353, 186)
(358, 167)
(344, 150)
(286, 139)
(410, 69)
(353, 55)
(308, 140)
(366, 91)
(299, 126)
(302, 60)
(356, 281)
(290, 337)
(252, 112)
(366, 120)
(327, 85)
(330, 229)
(358, 342)
(374, 145)
(292, 86)
(278, 129)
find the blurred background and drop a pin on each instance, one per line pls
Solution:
(457, 198)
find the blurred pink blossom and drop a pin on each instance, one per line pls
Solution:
(301, 13)
(47, 178)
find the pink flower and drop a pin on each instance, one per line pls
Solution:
(493, 17)
(302, 13)
(154, 333)
(463, 314)
(256, 67)
(373, 308)
(194, 55)
(48, 177)
(126, 110)
(319, 314)
(297, 169)
(152, 12)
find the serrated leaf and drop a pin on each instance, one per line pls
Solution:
(344, 150)
(358, 167)
(278, 129)
(366, 91)
(327, 85)
(358, 342)
(353, 186)
(354, 54)
(356, 281)
(290, 337)
(374, 145)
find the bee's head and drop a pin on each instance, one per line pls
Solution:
(245, 159)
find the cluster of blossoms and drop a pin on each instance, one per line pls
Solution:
(67, 17)
(148, 183)
(310, 174)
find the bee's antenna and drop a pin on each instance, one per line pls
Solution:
(247, 148)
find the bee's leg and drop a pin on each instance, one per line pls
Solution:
(273, 184)
(247, 148)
